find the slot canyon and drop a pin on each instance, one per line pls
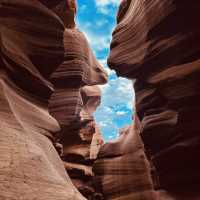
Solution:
(51, 146)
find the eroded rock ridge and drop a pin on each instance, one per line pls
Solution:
(46, 67)
(156, 44)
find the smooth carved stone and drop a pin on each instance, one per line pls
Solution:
(80, 63)
(158, 44)
(97, 142)
(65, 9)
(78, 163)
(31, 48)
(81, 135)
(65, 105)
(20, 45)
(73, 102)
(78, 170)
(81, 146)
(121, 169)
(157, 36)
(87, 131)
(91, 97)
(79, 68)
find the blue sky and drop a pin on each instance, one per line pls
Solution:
(96, 18)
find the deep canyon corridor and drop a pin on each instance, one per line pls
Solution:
(51, 146)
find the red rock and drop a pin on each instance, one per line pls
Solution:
(81, 144)
(30, 168)
(91, 97)
(73, 102)
(36, 76)
(97, 142)
(121, 169)
(157, 43)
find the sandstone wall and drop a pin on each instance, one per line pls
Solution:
(156, 43)
(121, 170)
(73, 102)
(33, 71)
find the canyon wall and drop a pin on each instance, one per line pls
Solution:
(48, 93)
(81, 139)
(157, 43)
(38, 75)
(72, 104)
(122, 171)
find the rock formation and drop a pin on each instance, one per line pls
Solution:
(48, 93)
(121, 170)
(157, 43)
(73, 102)
(35, 70)
(81, 144)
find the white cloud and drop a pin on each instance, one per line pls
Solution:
(120, 113)
(101, 23)
(97, 42)
(116, 106)
(104, 6)
(117, 95)
(119, 91)
(110, 136)
(106, 2)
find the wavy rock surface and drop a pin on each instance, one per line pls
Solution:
(158, 44)
(81, 144)
(121, 170)
(80, 68)
(35, 67)
(73, 102)
(30, 168)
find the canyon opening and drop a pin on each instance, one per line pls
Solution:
(117, 99)
(71, 126)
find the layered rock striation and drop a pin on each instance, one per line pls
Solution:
(72, 104)
(30, 168)
(35, 68)
(48, 93)
(157, 44)
(81, 144)
(122, 171)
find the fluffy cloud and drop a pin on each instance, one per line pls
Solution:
(116, 106)
(97, 35)
(106, 6)
(96, 19)
(98, 43)
(107, 2)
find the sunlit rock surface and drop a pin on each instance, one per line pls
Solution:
(80, 68)
(73, 102)
(30, 51)
(158, 44)
(32, 56)
(81, 143)
(121, 170)
(47, 66)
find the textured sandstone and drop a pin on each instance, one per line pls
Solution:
(35, 68)
(46, 65)
(73, 102)
(81, 145)
(158, 44)
(30, 168)
(121, 170)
